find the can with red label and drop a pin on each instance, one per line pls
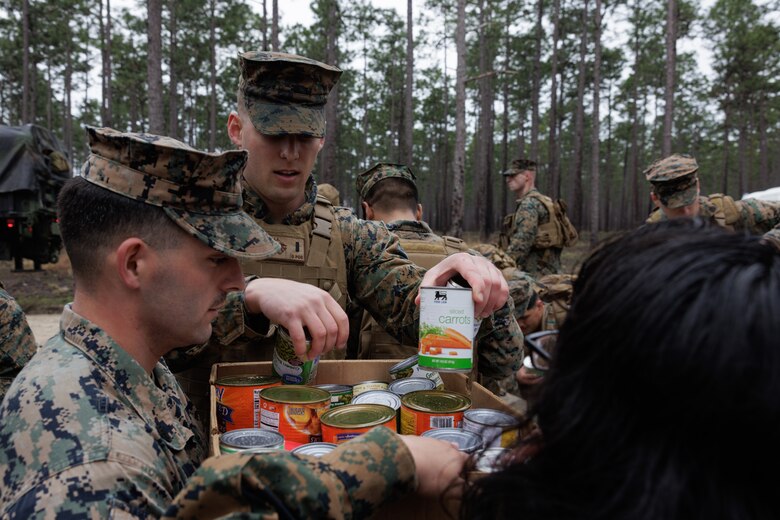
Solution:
(294, 411)
(425, 410)
(346, 422)
(238, 400)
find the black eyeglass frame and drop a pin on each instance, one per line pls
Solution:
(532, 342)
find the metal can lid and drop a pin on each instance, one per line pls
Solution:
(406, 363)
(247, 380)
(490, 417)
(298, 394)
(384, 397)
(335, 389)
(357, 416)
(436, 401)
(251, 438)
(372, 382)
(411, 384)
(467, 442)
(315, 449)
(488, 459)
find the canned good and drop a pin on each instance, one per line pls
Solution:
(346, 422)
(253, 440)
(409, 368)
(411, 384)
(294, 411)
(315, 449)
(466, 441)
(498, 429)
(288, 366)
(384, 397)
(425, 410)
(339, 394)
(365, 386)
(489, 459)
(238, 400)
(446, 329)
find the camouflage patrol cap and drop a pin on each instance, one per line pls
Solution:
(521, 289)
(284, 93)
(674, 180)
(519, 166)
(366, 180)
(199, 191)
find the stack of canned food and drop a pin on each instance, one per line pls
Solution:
(259, 413)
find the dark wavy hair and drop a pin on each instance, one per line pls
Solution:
(663, 400)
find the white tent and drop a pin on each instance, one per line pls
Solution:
(772, 194)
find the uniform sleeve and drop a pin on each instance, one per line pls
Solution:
(380, 275)
(351, 482)
(500, 350)
(759, 216)
(773, 237)
(527, 219)
(17, 344)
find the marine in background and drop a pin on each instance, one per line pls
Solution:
(388, 193)
(17, 343)
(676, 193)
(536, 233)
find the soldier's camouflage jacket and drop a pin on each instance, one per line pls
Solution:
(87, 433)
(529, 215)
(773, 236)
(748, 215)
(17, 344)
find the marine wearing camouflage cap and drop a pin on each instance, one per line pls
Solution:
(368, 179)
(199, 191)
(674, 180)
(519, 166)
(285, 93)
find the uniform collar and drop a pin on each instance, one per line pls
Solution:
(133, 385)
(255, 206)
(409, 225)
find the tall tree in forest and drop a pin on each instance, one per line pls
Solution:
(407, 154)
(579, 122)
(537, 80)
(154, 66)
(213, 75)
(28, 99)
(459, 158)
(671, 69)
(329, 160)
(595, 141)
(483, 179)
(106, 107)
(173, 71)
(275, 26)
(553, 174)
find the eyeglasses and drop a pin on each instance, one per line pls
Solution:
(542, 344)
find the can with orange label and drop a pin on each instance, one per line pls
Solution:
(345, 422)
(238, 400)
(294, 411)
(425, 410)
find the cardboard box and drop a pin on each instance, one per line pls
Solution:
(350, 372)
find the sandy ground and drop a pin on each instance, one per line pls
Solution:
(44, 326)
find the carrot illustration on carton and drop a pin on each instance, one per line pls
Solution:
(433, 342)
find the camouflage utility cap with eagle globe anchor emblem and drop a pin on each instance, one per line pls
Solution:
(368, 179)
(285, 93)
(199, 191)
(519, 166)
(674, 180)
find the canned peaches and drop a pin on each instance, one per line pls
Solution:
(425, 410)
(238, 401)
(349, 421)
(294, 411)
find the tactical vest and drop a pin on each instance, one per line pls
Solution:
(375, 342)
(558, 231)
(313, 253)
(555, 290)
(726, 214)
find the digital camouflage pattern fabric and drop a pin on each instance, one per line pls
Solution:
(199, 191)
(286, 93)
(350, 482)
(522, 233)
(674, 180)
(773, 236)
(96, 436)
(368, 179)
(496, 256)
(747, 215)
(17, 344)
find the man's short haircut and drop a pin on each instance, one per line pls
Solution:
(393, 194)
(93, 220)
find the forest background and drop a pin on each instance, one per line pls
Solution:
(456, 89)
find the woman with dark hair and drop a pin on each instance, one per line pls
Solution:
(663, 398)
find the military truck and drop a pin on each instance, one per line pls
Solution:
(33, 168)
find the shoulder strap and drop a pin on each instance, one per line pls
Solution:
(320, 232)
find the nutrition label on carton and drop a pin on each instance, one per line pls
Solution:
(446, 329)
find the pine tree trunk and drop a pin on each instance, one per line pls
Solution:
(27, 99)
(671, 60)
(595, 141)
(579, 123)
(154, 67)
(264, 25)
(67, 130)
(275, 26)
(213, 78)
(329, 167)
(459, 159)
(726, 145)
(536, 81)
(173, 82)
(552, 173)
(407, 155)
(763, 145)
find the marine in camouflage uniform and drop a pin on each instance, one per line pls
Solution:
(499, 346)
(773, 236)
(281, 122)
(521, 235)
(675, 192)
(87, 430)
(17, 344)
